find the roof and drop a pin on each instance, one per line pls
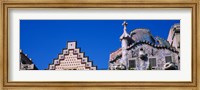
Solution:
(142, 34)
(162, 42)
(25, 60)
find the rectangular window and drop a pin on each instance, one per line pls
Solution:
(179, 44)
(132, 63)
(152, 62)
(84, 60)
(168, 59)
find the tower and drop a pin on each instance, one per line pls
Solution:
(174, 36)
(124, 39)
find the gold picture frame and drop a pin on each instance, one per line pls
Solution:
(193, 4)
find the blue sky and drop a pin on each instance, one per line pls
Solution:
(43, 40)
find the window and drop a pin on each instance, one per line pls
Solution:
(132, 64)
(83, 60)
(172, 43)
(168, 59)
(56, 62)
(152, 62)
(61, 57)
(179, 44)
(52, 67)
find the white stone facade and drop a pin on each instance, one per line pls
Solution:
(72, 59)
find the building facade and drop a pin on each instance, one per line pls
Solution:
(26, 63)
(141, 51)
(72, 58)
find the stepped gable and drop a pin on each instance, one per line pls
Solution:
(72, 58)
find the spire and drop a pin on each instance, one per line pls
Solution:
(125, 34)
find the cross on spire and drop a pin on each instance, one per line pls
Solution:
(125, 34)
(124, 24)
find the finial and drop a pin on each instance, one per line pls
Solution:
(124, 24)
(125, 34)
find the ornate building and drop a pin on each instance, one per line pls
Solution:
(72, 58)
(26, 63)
(141, 51)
